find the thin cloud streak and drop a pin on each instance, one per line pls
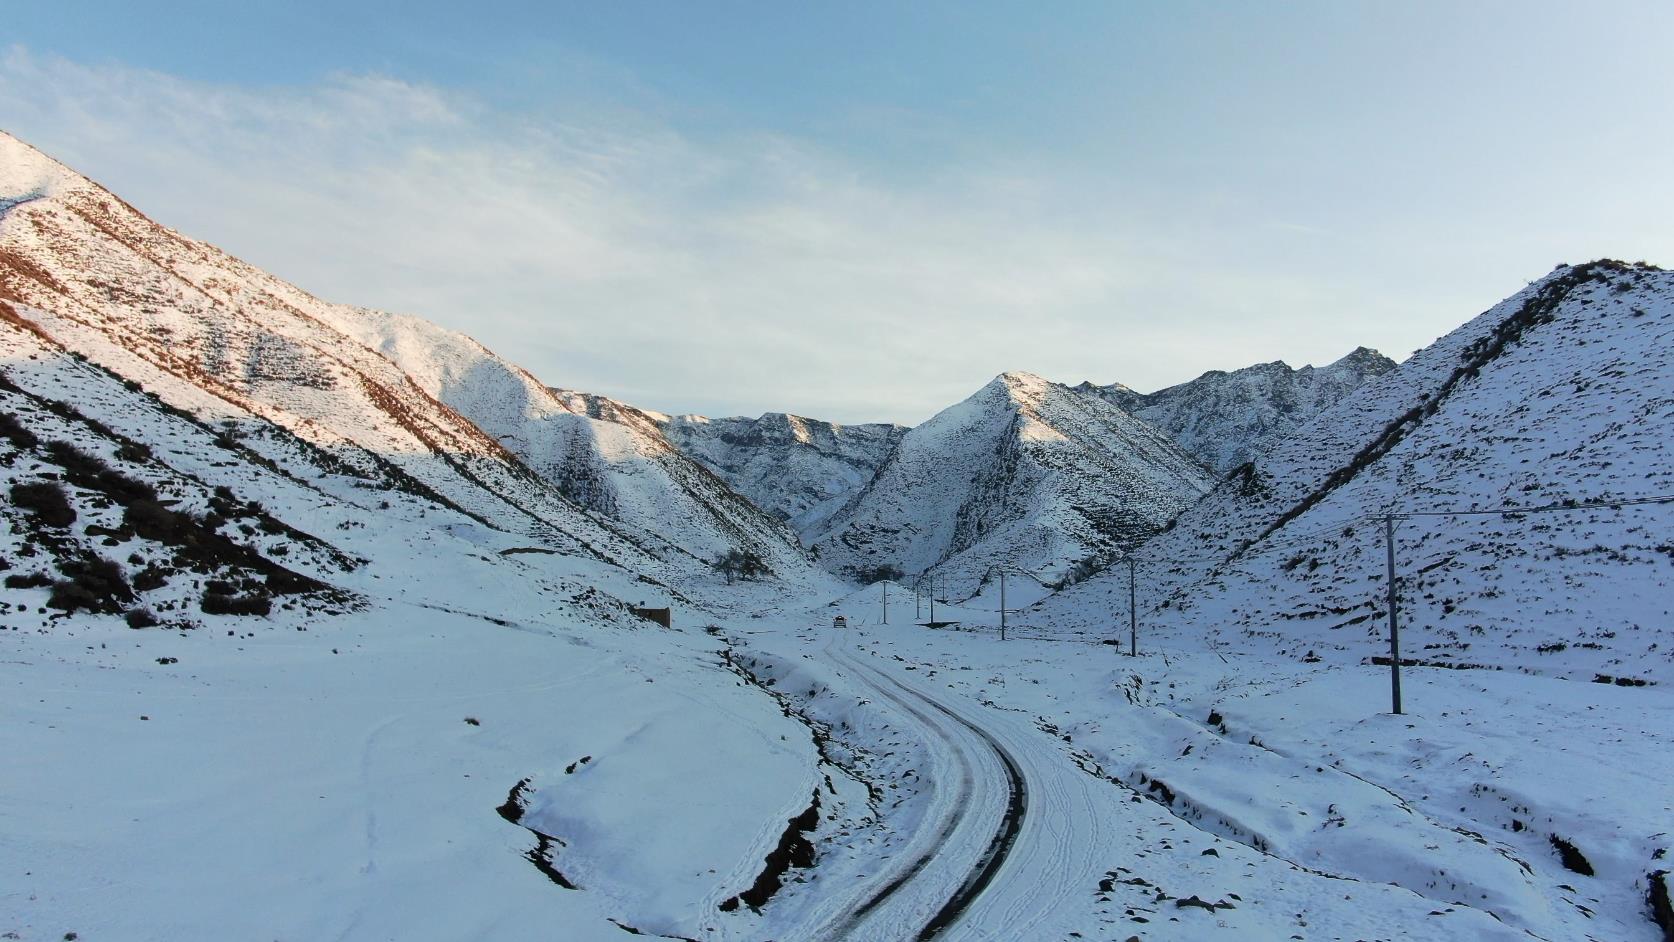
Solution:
(610, 252)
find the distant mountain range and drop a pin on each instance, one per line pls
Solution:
(802, 470)
(1027, 474)
(1226, 419)
(952, 494)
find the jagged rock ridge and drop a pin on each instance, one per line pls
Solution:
(800, 469)
(1226, 419)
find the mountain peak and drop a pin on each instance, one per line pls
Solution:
(1024, 473)
(1364, 358)
(1021, 378)
(1020, 386)
(26, 173)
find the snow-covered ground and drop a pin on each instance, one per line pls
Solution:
(339, 779)
(330, 782)
(1330, 817)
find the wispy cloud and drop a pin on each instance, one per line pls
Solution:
(610, 251)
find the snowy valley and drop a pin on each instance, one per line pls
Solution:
(321, 622)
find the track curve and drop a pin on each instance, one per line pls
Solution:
(981, 762)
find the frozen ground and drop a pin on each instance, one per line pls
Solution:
(326, 784)
(1329, 817)
(342, 782)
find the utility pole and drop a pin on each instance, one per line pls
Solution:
(918, 598)
(1394, 628)
(1002, 605)
(1133, 609)
(932, 600)
(886, 601)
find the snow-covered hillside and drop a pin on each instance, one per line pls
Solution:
(428, 410)
(1561, 394)
(282, 627)
(799, 469)
(1025, 473)
(1226, 419)
(234, 664)
(1537, 646)
(606, 456)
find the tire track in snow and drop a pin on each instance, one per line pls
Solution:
(934, 717)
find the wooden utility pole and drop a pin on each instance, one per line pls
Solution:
(918, 598)
(1133, 609)
(1002, 605)
(932, 600)
(886, 601)
(1394, 627)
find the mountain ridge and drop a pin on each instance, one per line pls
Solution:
(220, 338)
(1226, 418)
(1556, 394)
(1022, 473)
(797, 468)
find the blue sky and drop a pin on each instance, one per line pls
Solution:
(863, 211)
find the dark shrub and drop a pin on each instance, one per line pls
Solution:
(123, 489)
(91, 471)
(285, 582)
(13, 428)
(46, 501)
(76, 463)
(153, 521)
(141, 618)
(133, 451)
(69, 596)
(28, 580)
(93, 583)
(880, 573)
(149, 578)
(214, 603)
(741, 564)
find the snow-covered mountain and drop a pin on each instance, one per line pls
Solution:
(1563, 393)
(395, 401)
(1226, 419)
(607, 456)
(799, 469)
(337, 568)
(199, 622)
(1024, 473)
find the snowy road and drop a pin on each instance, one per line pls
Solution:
(1013, 827)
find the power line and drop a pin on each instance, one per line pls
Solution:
(1540, 509)
(1290, 540)
(1135, 558)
